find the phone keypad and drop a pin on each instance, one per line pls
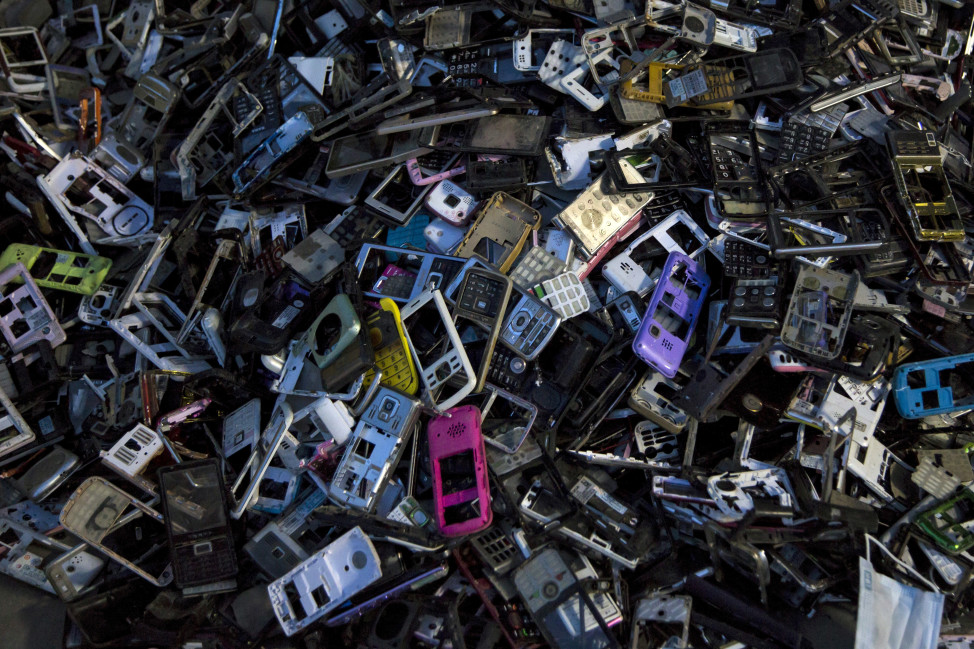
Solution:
(205, 561)
(529, 325)
(744, 260)
(436, 161)
(914, 146)
(463, 69)
(442, 272)
(391, 357)
(564, 294)
(395, 284)
(535, 267)
(595, 216)
(353, 226)
(265, 90)
(507, 370)
(739, 184)
(806, 135)
(755, 303)
(481, 295)
(729, 165)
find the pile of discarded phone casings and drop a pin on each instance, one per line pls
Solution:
(512, 323)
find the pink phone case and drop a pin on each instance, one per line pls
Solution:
(417, 178)
(461, 492)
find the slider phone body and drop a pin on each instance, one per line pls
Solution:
(461, 493)
(195, 506)
(674, 309)
(482, 300)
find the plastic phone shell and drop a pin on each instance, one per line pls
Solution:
(324, 581)
(118, 212)
(529, 326)
(565, 294)
(81, 513)
(627, 275)
(433, 269)
(920, 391)
(451, 203)
(473, 306)
(391, 350)
(71, 572)
(450, 435)
(27, 318)
(63, 270)
(340, 316)
(500, 231)
(15, 432)
(452, 363)
(374, 450)
(600, 212)
(819, 312)
(655, 343)
(647, 400)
